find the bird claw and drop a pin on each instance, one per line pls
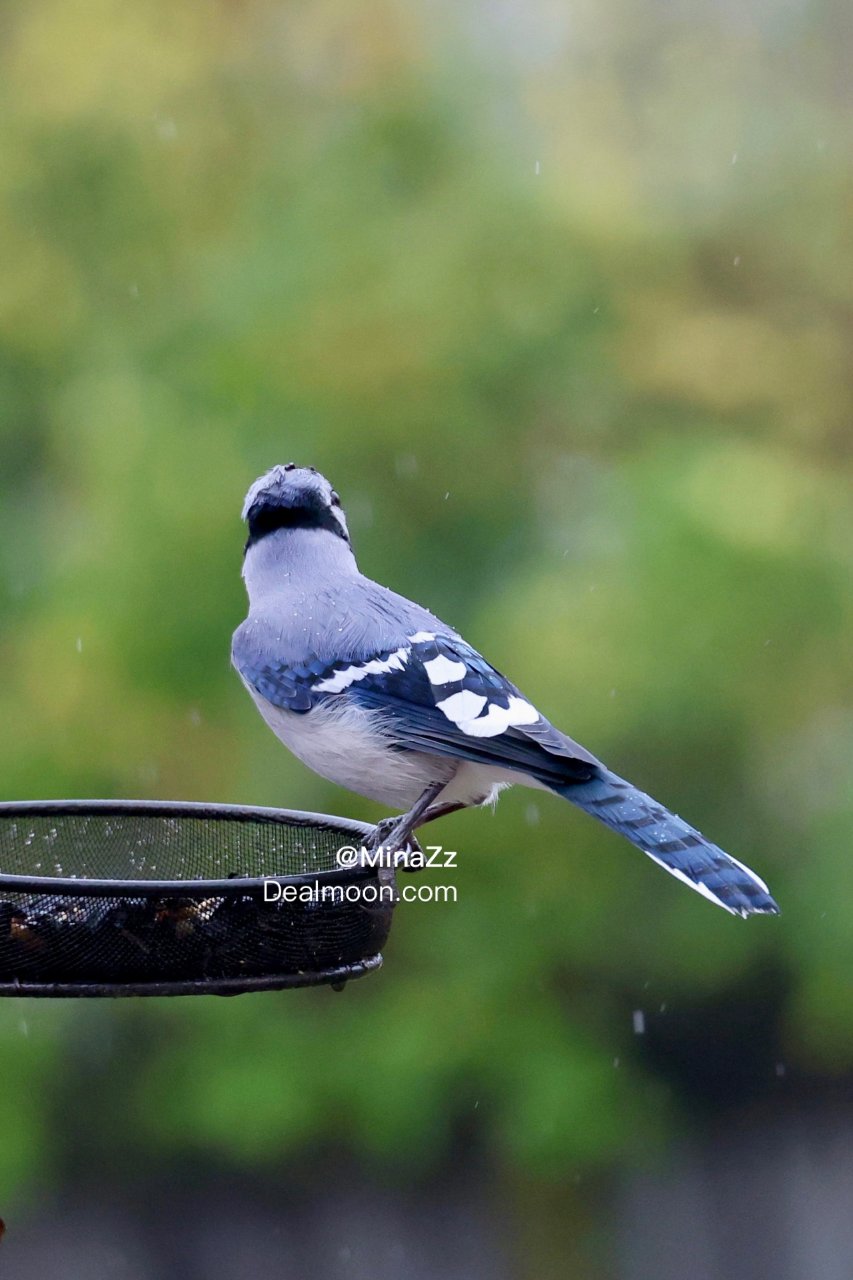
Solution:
(399, 850)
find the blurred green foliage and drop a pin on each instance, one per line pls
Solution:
(560, 301)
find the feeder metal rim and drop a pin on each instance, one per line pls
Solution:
(187, 809)
(197, 987)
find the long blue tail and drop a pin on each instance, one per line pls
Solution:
(671, 842)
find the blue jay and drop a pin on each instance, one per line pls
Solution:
(377, 694)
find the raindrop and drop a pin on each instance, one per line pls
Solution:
(639, 1021)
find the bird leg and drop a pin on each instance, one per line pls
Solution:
(441, 811)
(414, 845)
(395, 834)
(435, 811)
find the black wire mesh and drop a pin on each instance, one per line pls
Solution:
(135, 897)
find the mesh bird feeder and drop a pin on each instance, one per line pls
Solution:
(118, 898)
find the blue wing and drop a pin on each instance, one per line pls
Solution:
(436, 694)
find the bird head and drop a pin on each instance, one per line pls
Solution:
(291, 497)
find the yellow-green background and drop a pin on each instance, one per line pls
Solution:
(559, 298)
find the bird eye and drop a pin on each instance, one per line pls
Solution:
(336, 502)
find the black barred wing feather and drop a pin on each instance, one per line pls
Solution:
(288, 687)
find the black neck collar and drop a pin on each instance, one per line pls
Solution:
(265, 518)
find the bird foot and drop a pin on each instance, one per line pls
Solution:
(398, 845)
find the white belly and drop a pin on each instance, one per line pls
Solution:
(341, 742)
